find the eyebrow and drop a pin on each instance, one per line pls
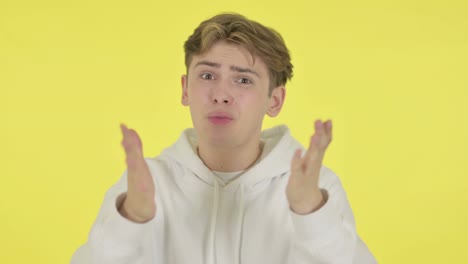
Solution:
(232, 68)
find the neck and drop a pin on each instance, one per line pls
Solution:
(230, 159)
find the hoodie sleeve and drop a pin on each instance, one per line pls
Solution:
(113, 238)
(328, 235)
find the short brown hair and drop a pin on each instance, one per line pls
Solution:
(259, 40)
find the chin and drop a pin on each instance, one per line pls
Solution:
(222, 136)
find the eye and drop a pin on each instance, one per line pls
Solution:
(207, 76)
(245, 81)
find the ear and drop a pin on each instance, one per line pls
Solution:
(185, 100)
(276, 101)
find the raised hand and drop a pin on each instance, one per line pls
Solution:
(303, 193)
(139, 204)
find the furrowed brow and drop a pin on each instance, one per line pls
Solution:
(247, 70)
(208, 63)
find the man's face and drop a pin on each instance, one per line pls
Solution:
(228, 95)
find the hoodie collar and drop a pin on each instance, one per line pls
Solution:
(274, 161)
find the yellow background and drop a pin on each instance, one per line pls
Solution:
(392, 75)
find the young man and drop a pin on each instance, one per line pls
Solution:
(226, 192)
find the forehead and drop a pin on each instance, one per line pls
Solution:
(230, 54)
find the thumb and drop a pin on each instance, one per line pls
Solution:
(296, 163)
(296, 171)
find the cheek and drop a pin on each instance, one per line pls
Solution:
(257, 105)
(198, 94)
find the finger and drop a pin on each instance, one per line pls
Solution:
(124, 142)
(328, 130)
(296, 168)
(131, 142)
(135, 140)
(319, 127)
(315, 149)
(314, 156)
(327, 126)
(296, 163)
(133, 154)
(323, 131)
(314, 152)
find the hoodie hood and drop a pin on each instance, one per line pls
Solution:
(278, 144)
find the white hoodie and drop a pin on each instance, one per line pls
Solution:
(200, 221)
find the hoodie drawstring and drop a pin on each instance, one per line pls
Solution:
(240, 220)
(210, 249)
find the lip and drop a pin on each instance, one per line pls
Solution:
(220, 118)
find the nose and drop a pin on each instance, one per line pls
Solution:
(221, 100)
(221, 96)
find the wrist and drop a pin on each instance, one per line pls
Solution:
(311, 204)
(126, 211)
